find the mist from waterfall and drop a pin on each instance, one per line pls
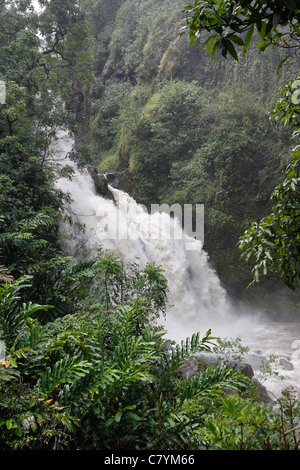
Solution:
(197, 300)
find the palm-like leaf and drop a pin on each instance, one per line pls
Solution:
(213, 381)
(13, 314)
(169, 363)
(67, 370)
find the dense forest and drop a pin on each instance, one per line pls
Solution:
(85, 364)
(188, 130)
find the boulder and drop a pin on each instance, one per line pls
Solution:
(262, 393)
(243, 367)
(100, 182)
(189, 369)
(286, 364)
(101, 186)
(120, 180)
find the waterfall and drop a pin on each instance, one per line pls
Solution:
(197, 300)
(196, 296)
(127, 230)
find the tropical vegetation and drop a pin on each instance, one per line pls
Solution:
(84, 362)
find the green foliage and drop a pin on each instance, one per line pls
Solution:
(240, 425)
(37, 74)
(274, 241)
(31, 422)
(188, 131)
(230, 349)
(107, 378)
(287, 108)
(129, 393)
(269, 368)
(67, 370)
(146, 288)
(66, 356)
(13, 316)
(86, 365)
(248, 426)
(233, 23)
(22, 246)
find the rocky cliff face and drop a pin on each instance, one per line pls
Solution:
(117, 179)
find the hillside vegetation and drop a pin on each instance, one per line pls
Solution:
(83, 364)
(188, 130)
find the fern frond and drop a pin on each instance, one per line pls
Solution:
(40, 220)
(191, 346)
(168, 366)
(67, 370)
(126, 320)
(13, 315)
(5, 276)
(134, 358)
(8, 374)
(213, 381)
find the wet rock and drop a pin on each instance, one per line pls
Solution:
(256, 360)
(101, 186)
(243, 367)
(100, 182)
(286, 364)
(119, 180)
(189, 369)
(262, 393)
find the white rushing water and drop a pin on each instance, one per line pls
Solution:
(197, 300)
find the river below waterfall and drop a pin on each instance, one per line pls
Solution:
(197, 301)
